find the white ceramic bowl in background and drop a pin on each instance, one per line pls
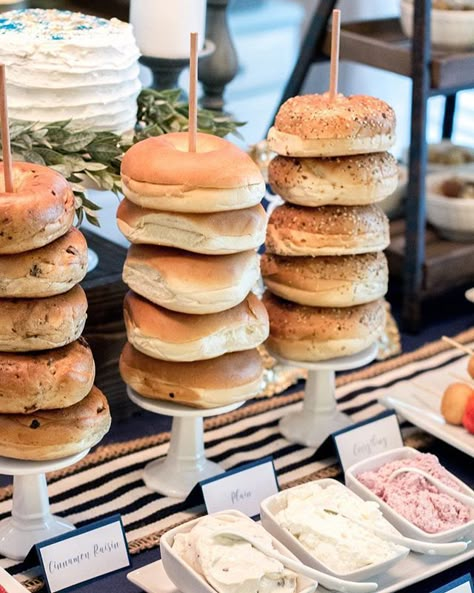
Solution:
(442, 147)
(403, 525)
(273, 504)
(189, 581)
(450, 29)
(452, 217)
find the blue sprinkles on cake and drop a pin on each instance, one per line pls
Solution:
(68, 65)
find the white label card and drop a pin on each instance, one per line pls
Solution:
(461, 585)
(241, 489)
(83, 555)
(368, 438)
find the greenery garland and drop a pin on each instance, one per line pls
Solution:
(84, 156)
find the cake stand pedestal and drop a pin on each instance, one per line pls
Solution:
(31, 520)
(185, 463)
(319, 416)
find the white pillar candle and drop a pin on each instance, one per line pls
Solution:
(162, 27)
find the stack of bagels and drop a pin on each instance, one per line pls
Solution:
(195, 221)
(49, 407)
(324, 268)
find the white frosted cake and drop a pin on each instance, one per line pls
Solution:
(66, 65)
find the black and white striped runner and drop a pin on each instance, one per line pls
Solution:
(114, 485)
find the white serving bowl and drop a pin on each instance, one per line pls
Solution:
(453, 217)
(442, 147)
(450, 29)
(403, 525)
(273, 504)
(187, 580)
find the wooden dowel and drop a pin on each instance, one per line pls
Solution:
(335, 35)
(6, 149)
(193, 66)
(457, 345)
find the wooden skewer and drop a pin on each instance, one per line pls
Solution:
(335, 35)
(7, 153)
(457, 345)
(193, 66)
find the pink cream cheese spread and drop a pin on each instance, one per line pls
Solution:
(416, 499)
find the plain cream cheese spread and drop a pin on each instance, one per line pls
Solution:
(334, 540)
(232, 566)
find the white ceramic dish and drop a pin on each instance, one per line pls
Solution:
(442, 147)
(421, 414)
(273, 504)
(399, 522)
(419, 402)
(453, 217)
(416, 567)
(10, 584)
(450, 29)
(189, 581)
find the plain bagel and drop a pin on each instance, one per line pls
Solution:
(302, 333)
(40, 210)
(180, 337)
(40, 324)
(47, 271)
(315, 126)
(327, 230)
(159, 173)
(209, 383)
(214, 233)
(348, 180)
(190, 282)
(53, 434)
(46, 380)
(327, 281)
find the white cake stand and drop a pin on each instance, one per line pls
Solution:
(185, 464)
(31, 521)
(319, 416)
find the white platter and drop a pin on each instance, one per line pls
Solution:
(419, 403)
(10, 584)
(416, 567)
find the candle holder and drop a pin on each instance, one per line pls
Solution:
(166, 71)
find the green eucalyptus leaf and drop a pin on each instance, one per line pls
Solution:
(78, 141)
(92, 166)
(82, 154)
(51, 157)
(32, 156)
(88, 204)
(63, 169)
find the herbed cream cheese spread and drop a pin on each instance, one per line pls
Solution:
(336, 541)
(64, 65)
(232, 566)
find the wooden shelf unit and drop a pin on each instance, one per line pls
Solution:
(381, 44)
(447, 264)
